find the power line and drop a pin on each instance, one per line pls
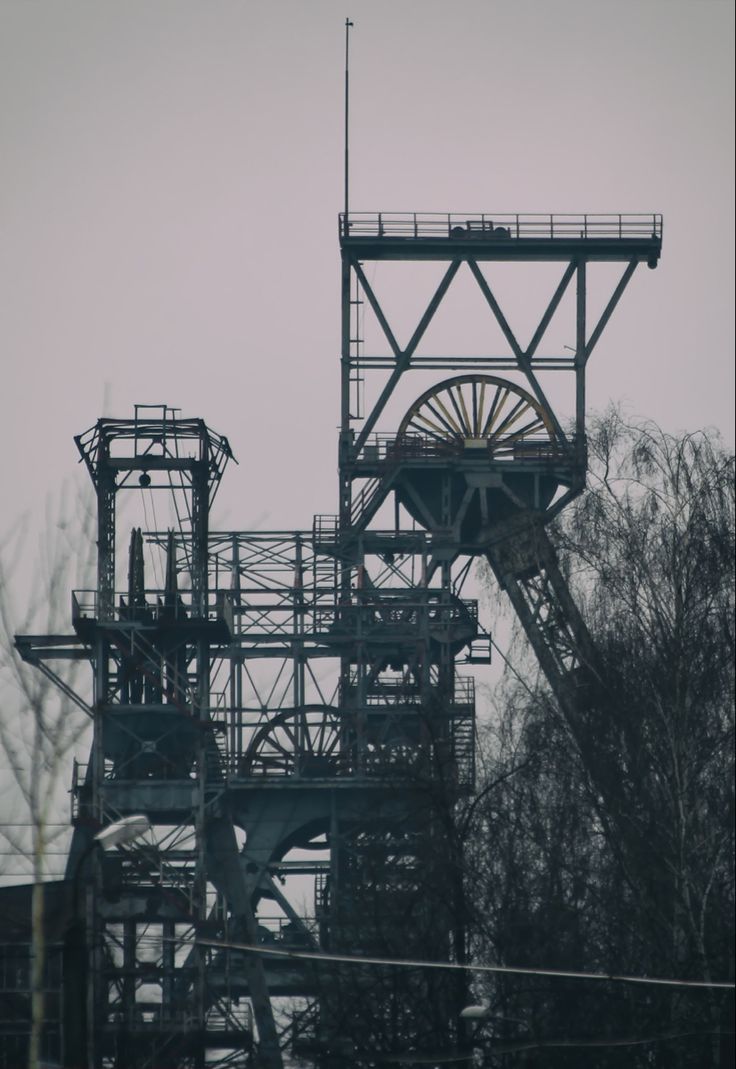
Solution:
(452, 1057)
(621, 1041)
(349, 959)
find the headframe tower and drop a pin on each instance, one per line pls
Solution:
(289, 704)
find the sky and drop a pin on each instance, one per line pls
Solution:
(172, 174)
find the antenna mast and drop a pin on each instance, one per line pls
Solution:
(348, 24)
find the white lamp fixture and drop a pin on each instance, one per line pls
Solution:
(474, 1013)
(123, 831)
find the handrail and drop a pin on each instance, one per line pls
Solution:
(85, 606)
(384, 448)
(396, 610)
(501, 225)
(463, 693)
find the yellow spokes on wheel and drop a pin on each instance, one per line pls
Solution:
(477, 410)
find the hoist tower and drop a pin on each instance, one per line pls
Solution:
(294, 711)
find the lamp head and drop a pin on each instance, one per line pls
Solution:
(123, 831)
(474, 1013)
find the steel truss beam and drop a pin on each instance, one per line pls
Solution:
(525, 564)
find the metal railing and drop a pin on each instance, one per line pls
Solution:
(501, 225)
(219, 1022)
(367, 498)
(85, 607)
(152, 1016)
(283, 930)
(397, 691)
(398, 616)
(325, 527)
(391, 448)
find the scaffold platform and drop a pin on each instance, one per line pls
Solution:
(502, 236)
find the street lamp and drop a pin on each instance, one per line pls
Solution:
(120, 832)
(470, 1016)
(80, 942)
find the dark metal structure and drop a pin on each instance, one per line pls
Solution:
(16, 966)
(287, 706)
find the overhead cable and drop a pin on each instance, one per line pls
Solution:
(351, 959)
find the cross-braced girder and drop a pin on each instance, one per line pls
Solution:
(525, 564)
(469, 244)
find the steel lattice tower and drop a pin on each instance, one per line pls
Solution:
(288, 704)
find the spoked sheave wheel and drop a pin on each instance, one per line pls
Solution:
(308, 741)
(478, 411)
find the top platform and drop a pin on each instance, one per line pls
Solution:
(486, 236)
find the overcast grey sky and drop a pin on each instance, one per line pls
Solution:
(171, 177)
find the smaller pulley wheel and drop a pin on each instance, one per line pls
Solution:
(305, 741)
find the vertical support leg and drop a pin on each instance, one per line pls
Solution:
(227, 874)
(580, 353)
(91, 994)
(346, 434)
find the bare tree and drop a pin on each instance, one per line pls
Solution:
(40, 726)
(615, 854)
